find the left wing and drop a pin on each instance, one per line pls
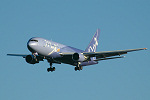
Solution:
(105, 54)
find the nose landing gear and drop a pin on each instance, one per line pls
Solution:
(51, 68)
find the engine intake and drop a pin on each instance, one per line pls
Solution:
(78, 57)
(75, 56)
(31, 59)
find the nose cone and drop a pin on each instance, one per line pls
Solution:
(32, 45)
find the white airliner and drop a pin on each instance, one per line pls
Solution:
(58, 53)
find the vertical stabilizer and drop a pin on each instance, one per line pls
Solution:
(94, 42)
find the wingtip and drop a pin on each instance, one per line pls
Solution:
(98, 30)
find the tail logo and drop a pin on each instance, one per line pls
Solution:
(93, 47)
(94, 42)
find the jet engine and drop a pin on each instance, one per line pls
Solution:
(78, 57)
(31, 59)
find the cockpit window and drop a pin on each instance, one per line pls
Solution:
(34, 40)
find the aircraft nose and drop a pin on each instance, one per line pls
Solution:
(31, 45)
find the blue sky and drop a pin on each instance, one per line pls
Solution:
(124, 24)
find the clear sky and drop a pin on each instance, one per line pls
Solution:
(124, 24)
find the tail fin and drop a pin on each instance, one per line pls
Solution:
(94, 42)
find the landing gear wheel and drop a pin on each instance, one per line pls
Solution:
(51, 69)
(81, 67)
(75, 68)
(48, 69)
(78, 68)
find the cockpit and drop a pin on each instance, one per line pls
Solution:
(32, 44)
(34, 40)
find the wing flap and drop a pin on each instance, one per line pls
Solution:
(109, 58)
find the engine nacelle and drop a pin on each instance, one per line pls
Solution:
(78, 57)
(31, 59)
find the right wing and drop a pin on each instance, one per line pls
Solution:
(37, 58)
(19, 55)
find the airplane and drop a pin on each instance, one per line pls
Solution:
(58, 53)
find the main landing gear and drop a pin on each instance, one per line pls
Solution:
(78, 67)
(51, 68)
